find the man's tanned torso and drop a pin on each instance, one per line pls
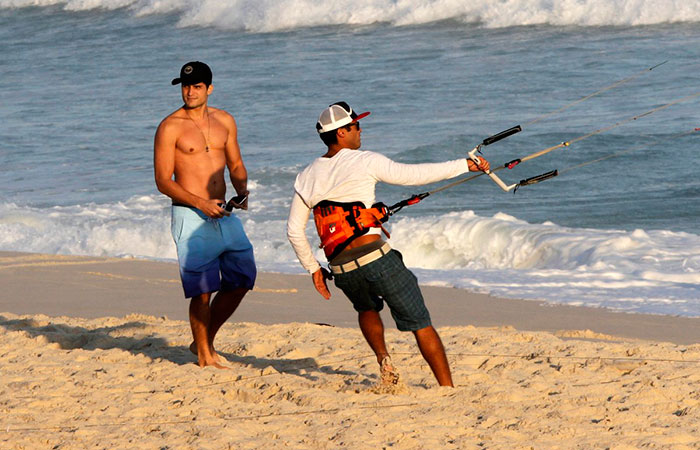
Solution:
(193, 146)
(198, 170)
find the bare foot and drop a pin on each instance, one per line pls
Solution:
(212, 364)
(388, 373)
(215, 356)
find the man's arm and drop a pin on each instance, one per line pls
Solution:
(164, 168)
(388, 171)
(296, 233)
(234, 160)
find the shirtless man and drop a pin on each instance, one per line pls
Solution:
(192, 148)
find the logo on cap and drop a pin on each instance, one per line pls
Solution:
(194, 72)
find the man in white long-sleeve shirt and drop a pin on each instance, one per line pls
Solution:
(339, 187)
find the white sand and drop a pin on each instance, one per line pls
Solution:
(130, 382)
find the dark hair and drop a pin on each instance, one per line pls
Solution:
(206, 83)
(331, 137)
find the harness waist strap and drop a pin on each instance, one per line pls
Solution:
(361, 261)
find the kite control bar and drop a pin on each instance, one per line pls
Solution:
(490, 140)
(510, 164)
(472, 155)
(416, 198)
(545, 176)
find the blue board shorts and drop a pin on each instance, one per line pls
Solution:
(214, 254)
(386, 280)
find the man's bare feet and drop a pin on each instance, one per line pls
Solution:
(215, 360)
(388, 373)
(211, 364)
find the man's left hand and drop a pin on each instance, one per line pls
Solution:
(240, 201)
(319, 277)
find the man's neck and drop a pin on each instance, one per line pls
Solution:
(197, 112)
(334, 149)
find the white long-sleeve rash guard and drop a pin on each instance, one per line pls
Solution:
(351, 176)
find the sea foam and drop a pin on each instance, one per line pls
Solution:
(275, 15)
(653, 271)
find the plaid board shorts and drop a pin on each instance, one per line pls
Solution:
(386, 280)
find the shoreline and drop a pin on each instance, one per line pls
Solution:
(92, 287)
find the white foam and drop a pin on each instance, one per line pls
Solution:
(273, 15)
(137, 227)
(465, 240)
(128, 228)
(645, 271)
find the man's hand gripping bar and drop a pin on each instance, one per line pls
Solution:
(491, 140)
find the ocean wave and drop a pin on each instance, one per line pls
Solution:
(269, 15)
(642, 270)
(136, 227)
(463, 240)
(140, 226)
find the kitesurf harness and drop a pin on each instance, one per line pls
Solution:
(338, 224)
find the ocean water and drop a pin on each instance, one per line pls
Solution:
(86, 82)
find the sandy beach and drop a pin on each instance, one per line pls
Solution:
(94, 354)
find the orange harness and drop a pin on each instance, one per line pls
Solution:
(338, 224)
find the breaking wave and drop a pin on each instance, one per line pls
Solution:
(651, 271)
(275, 15)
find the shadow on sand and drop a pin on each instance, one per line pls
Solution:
(154, 347)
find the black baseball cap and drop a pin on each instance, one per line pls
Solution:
(192, 73)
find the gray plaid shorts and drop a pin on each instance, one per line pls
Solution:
(386, 280)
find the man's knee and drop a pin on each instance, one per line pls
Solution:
(426, 334)
(201, 299)
(233, 295)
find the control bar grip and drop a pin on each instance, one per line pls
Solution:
(538, 178)
(502, 135)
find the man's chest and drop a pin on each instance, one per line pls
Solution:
(194, 138)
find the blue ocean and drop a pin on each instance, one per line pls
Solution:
(85, 83)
